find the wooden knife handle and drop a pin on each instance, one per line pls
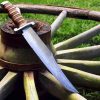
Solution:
(14, 14)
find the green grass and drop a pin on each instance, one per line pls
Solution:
(69, 28)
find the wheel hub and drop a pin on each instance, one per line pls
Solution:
(16, 53)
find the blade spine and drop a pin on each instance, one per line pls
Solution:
(44, 57)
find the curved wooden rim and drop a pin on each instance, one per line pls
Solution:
(20, 67)
(55, 10)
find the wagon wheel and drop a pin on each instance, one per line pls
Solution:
(82, 71)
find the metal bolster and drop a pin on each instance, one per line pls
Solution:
(24, 26)
(4, 2)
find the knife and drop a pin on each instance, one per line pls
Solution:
(38, 46)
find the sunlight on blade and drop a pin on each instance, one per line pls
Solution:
(46, 57)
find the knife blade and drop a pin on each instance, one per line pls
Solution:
(38, 46)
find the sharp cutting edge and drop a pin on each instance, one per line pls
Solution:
(42, 51)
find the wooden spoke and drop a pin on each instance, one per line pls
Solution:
(85, 65)
(81, 78)
(29, 86)
(56, 24)
(78, 39)
(54, 87)
(52, 48)
(7, 84)
(79, 53)
(3, 72)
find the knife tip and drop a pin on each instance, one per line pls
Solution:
(74, 90)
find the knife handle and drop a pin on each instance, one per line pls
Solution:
(13, 13)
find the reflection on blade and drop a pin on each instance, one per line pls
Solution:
(46, 57)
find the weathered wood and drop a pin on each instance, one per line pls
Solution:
(7, 84)
(78, 39)
(54, 87)
(18, 56)
(56, 24)
(84, 65)
(79, 53)
(81, 78)
(54, 10)
(3, 72)
(29, 86)
(52, 48)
